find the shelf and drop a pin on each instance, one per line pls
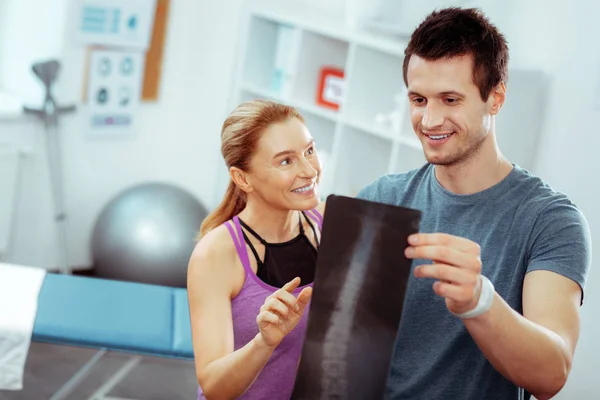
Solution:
(407, 158)
(261, 50)
(362, 158)
(325, 23)
(285, 44)
(322, 130)
(315, 110)
(320, 123)
(253, 91)
(316, 52)
(370, 129)
(411, 142)
(383, 132)
(374, 87)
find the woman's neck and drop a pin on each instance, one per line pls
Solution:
(272, 224)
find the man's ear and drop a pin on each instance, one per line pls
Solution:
(241, 179)
(497, 98)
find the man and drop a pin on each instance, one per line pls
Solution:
(501, 259)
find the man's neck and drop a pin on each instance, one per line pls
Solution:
(480, 171)
(272, 224)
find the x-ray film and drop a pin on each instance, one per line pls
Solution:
(357, 301)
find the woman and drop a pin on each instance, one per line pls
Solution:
(250, 275)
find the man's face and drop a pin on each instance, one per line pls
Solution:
(447, 113)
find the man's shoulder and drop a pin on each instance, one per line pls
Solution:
(556, 220)
(389, 188)
(540, 198)
(560, 237)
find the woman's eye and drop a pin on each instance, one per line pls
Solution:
(285, 161)
(311, 150)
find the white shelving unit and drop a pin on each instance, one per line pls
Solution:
(354, 148)
(283, 46)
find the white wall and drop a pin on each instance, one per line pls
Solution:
(32, 240)
(558, 42)
(43, 19)
(568, 157)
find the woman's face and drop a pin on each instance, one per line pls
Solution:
(285, 170)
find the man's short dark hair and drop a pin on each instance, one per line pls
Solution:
(454, 31)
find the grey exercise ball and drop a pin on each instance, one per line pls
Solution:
(146, 234)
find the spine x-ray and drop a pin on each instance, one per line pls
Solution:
(357, 301)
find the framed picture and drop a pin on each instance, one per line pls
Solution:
(331, 87)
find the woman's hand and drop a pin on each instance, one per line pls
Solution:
(281, 312)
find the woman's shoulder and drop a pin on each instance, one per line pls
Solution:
(214, 250)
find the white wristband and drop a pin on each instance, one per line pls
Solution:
(486, 298)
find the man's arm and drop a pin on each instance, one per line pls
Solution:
(534, 351)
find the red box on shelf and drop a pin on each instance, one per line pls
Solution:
(331, 87)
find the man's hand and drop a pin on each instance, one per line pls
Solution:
(456, 266)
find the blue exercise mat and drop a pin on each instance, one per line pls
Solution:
(115, 315)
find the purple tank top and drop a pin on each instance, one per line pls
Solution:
(276, 380)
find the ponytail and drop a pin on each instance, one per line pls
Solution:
(232, 204)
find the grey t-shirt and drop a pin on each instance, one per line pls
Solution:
(522, 225)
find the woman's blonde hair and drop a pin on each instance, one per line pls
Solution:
(239, 138)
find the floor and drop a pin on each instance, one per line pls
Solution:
(49, 367)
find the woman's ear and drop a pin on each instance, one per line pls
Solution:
(240, 178)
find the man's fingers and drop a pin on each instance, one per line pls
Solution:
(456, 293)
(446, 240)
(446, 273)
(445, 255)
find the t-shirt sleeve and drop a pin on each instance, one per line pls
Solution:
(382, 189)
(562, 242)
(369, 192)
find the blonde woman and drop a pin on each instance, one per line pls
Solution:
(250, 275)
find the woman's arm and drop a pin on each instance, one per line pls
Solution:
(213, 275)
(222, 373)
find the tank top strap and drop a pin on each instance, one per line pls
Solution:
(235, 231)
(311, 227)
(316, 216)
(256, 235)
(234, 237)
